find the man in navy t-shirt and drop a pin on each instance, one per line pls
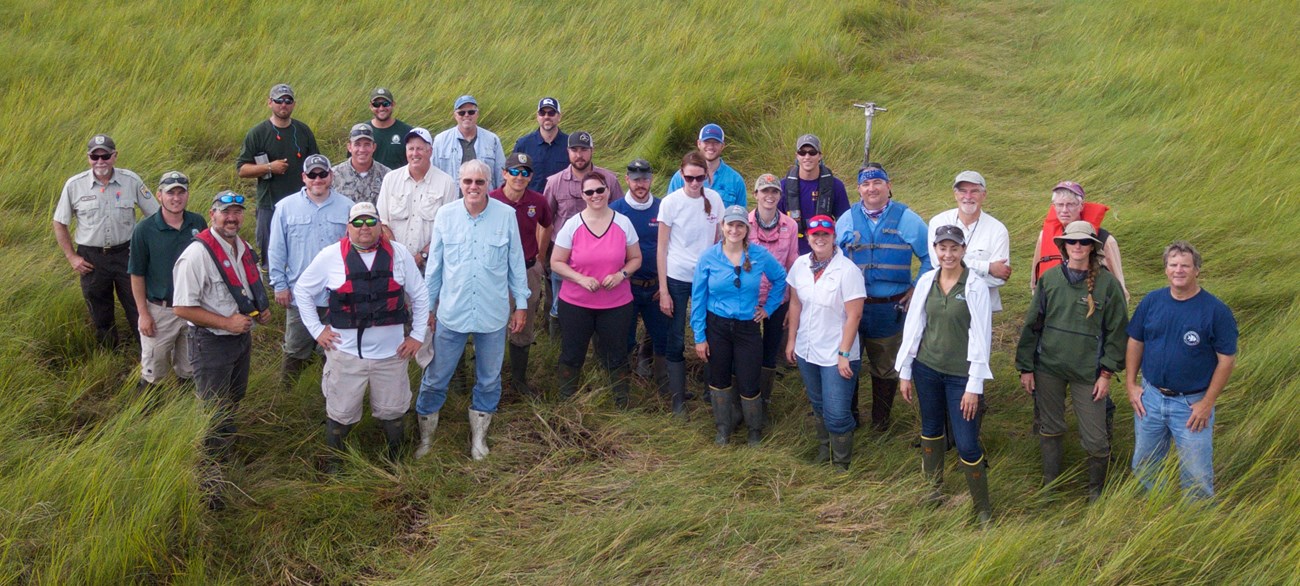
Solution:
(642, 208)
(1184, 341)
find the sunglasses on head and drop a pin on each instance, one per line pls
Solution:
(694, 178)
(520, 172)
(808, 153)
(466, 112)
(318, 174)
(239, 199)
(596, 191)
(468, 181)
(381, 104)
(367, 222)
(821, 224)
(103, 157)
(284, 100)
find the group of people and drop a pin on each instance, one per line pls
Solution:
(417, 244)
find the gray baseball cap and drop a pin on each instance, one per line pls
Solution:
(101, 141)
(361, 130)
(969, 177)
(228, 198)
(581, 138)
(172, 179)
(281, 90)
(735, 214)
(314, 163)
(808, 140)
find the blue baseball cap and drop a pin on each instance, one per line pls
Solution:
(548, 102)
(465, 99)
(712, 131)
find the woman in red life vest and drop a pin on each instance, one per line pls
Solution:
(1068, 206)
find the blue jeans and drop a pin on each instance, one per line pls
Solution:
(880, 320)
(680, 292)
(1167, 419)
(831, 395)
(448, 346)
(939, 396)
(645, 306)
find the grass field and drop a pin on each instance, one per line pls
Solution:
(1181, 115)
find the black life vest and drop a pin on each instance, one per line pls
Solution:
(823, 198)
(259, 301)
(369, 297)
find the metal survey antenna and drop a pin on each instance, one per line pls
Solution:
(870, 109)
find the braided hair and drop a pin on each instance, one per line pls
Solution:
(1094, 268)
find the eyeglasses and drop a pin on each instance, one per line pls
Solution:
(821, 224)
(1067, 205)
(694, 178)
(466, 112)
(547, 113)
(239, 199)
(381, 104)
(468, 181)
(318, 174)
(591, 192)
(520, 172)
(103, 157)
(736, 282)
(367, 222)
(808, 153)
(971, 191)
(284, 100)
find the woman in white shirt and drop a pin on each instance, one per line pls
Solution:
(826, 296)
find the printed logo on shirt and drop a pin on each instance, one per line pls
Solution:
(86, 198)
(144, 193)
(397, 139)
(532, 211)
(194, 232)
(814, 195)
(654, 222)
(960, 297)
(1191, 338)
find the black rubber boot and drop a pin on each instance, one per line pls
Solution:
(519, 371)
(1096, 476)
(882, 401)
(765, 381)
(823, 441)
(755, 413)
(1051, 447)
(677, 386)
(568, 379)
(977, 481)
(659, 368)
(290, 368)
(620, 376)
(841, 450)
(394, 436)
(723, 413)
(335, 433)
(1110, 424)
(932, 451)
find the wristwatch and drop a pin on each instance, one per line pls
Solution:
(624, 273)
(844, 354)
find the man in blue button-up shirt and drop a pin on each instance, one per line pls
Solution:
(303, 224)
(475, 248)
(547, 146)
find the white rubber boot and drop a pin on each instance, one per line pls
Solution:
(478, 426)
(428, 425)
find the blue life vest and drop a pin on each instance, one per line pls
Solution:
(881, 254)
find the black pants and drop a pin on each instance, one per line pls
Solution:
(221, 365)
(774, 336)
(735, 347)
(610, 326)
(98, 287)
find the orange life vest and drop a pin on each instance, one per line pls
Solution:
(1048, 254)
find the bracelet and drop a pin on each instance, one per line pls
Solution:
(844, 354)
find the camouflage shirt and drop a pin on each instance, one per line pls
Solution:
(350, 183)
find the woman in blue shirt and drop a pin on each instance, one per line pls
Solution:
(725, 317)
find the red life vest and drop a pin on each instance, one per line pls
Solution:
(259, 301)
(369, 296)
(1048, 254)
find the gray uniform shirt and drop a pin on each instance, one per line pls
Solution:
(105, 212)
(198, 283)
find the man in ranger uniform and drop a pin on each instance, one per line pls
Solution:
(881, 236)
(367, 280)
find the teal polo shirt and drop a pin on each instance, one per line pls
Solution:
(155, 246)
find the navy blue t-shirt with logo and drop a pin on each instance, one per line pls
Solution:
(646, 223)
(1181, 338)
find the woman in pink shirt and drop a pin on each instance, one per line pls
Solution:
(595, 252)
(779, 234)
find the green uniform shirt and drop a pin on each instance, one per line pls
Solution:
(390, 144)
(947, 329)
(155, 246)
(293, 144)
(1068, 344)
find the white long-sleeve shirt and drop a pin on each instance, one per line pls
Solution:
(327, 271)
(979, 341)
(986, 241)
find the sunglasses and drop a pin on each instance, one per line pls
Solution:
(520, 172)
(591, 192)
(381, 104)
(548, 113)
(821, 224)
(285, 100)
(239, 199)
(808, 153)
(1078, 243)
(103, 157)
(468, 181)
(318, 174)
(736, 282)
(466, 112)
(366, 222)
(694, 178)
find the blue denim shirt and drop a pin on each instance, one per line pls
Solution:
(447, 153)
(714, 287)
(299, 229)
(726, 181)
(475, 257)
